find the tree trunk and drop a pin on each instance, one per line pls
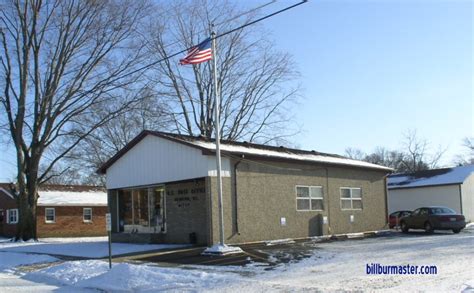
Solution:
(26, 228)
(27, 199)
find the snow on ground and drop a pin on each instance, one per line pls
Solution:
(90, 247)
(128, 277)
(12, 283)
(9, 263)
(341, 266)
(9, 260)
(334, 266)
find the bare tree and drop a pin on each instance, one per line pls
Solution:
(356, 154)
(255, 81)
(381, 156)
(417, 155)
(414, 156)
(112, 136)
(467, 158)
(59, 60)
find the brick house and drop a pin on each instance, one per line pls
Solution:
(62, 211)
(162, 188)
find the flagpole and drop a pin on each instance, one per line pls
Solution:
(218, 135)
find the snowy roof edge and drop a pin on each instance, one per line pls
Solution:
(195, 142)
(430, 178)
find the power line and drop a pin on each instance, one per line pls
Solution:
(218, 36)
(229, 20)
(245, 13)
(262, 18)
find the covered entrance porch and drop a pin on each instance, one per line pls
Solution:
(161, 213)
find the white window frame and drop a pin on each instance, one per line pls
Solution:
(309, 198)
(9, 213)
(84, 214)
(351, 199)
(46, 215)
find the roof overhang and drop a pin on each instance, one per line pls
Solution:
(205, 151)
(423, 186)
(295, 161)
(7, 192)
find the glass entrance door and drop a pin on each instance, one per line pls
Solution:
(157, 218)
(142, 210)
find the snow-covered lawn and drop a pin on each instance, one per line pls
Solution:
(333, 266)
(10, 260)
(89, 247)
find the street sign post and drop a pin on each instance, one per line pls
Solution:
(108, 226)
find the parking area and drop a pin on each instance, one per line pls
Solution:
(253, 253)
(266, 254)
(263, 253)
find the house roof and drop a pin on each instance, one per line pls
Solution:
(445, 176)
(5, 188)
(72, 195)
(250, 150)
(66, 195)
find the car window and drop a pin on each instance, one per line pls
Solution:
(442, 210)
(424, 212)
(404, 214)
(415, 212)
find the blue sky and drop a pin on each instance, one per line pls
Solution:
(371, 70)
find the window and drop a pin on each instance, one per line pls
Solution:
(87, 215)
(404, 214)
(309, 198)
(12, 216)
(423, 212)
(50, 215)
(442, 211)
(351, 198)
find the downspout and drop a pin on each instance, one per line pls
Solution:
(235, 197)
(460, 197)
(329, 200)
(386, 199)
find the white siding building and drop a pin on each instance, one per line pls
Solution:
(162, 188)
(450, 187)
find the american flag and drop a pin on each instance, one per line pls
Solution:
(198, 54)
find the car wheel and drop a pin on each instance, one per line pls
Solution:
(456, 231)
(404, 227)
(428, 227)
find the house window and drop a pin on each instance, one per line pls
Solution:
(87, 215)
(351, 198)
(309, 198)
(50, 215)
(12, 216)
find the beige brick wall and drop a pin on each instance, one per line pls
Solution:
(186, 212)
(266, 192)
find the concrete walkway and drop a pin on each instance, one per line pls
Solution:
(13, 283)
